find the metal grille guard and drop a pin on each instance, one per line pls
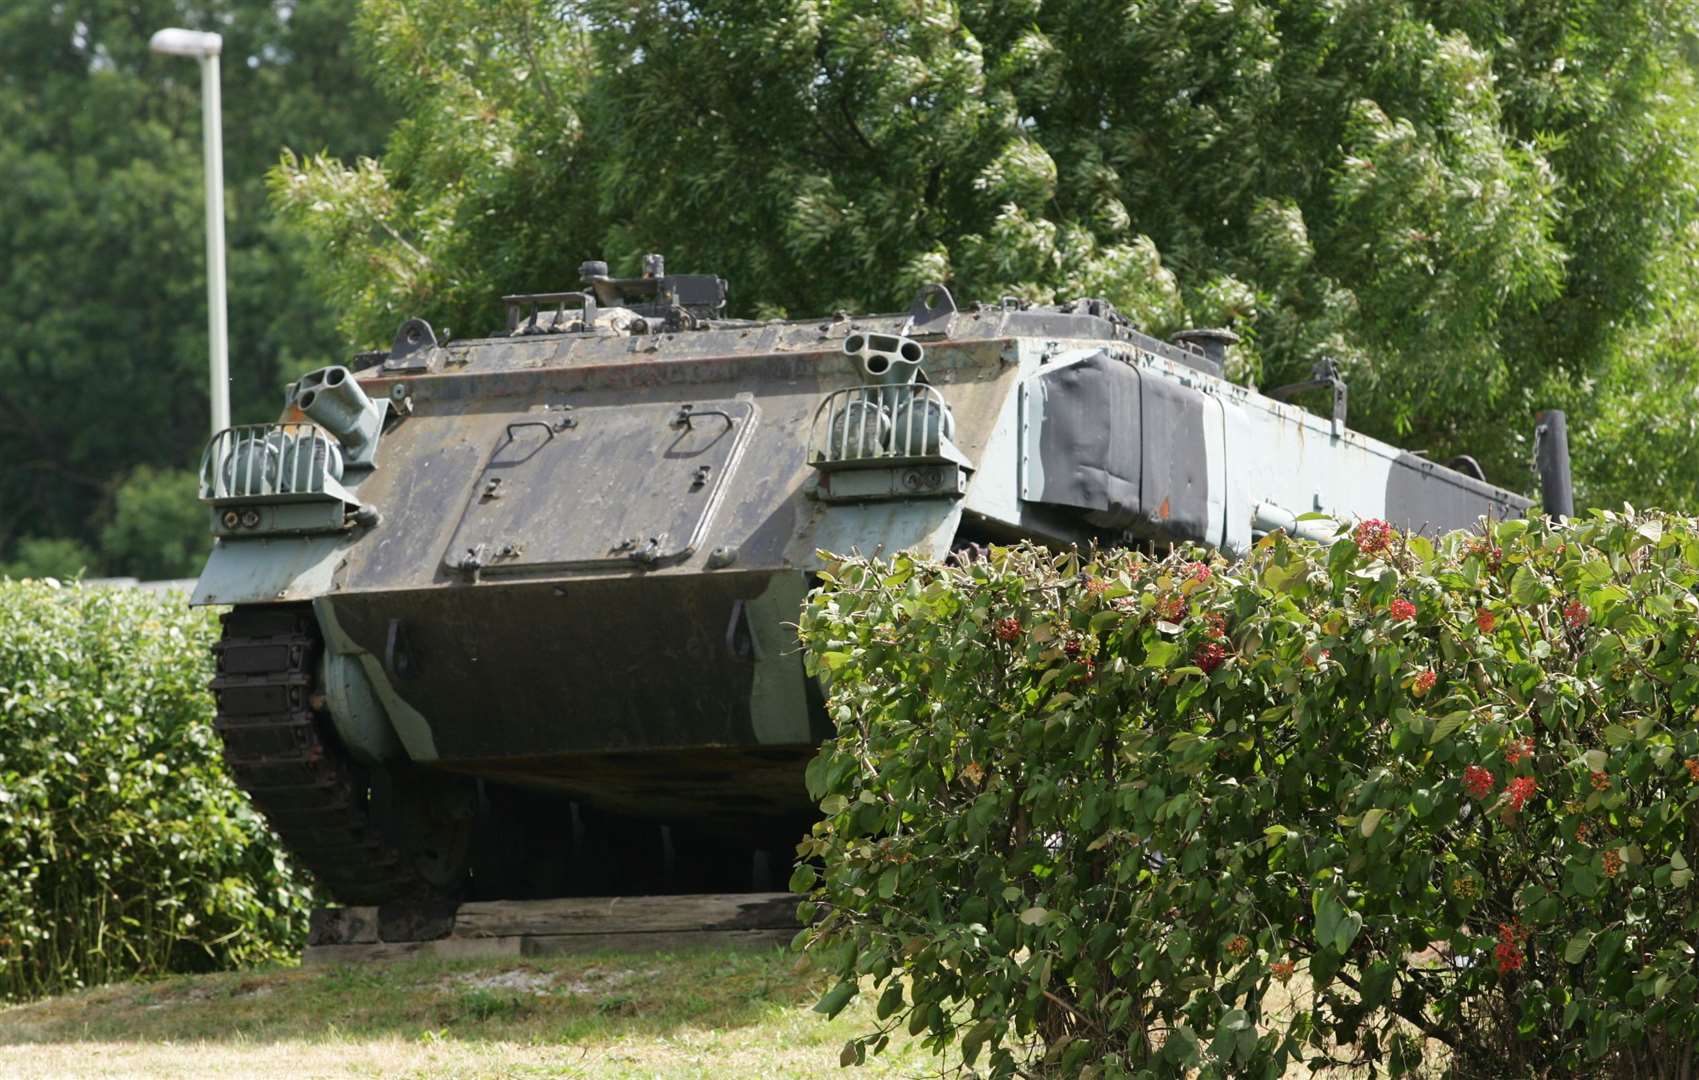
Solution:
(272, 463)
(881, 426)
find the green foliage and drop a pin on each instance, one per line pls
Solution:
(1093, 809)
(39, 557)
(103, 347)
(124, 847)
(1474, 207)
(159, 528)
(443, 226)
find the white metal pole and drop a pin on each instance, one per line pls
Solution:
(213, 150)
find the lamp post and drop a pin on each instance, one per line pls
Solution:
(205, 48)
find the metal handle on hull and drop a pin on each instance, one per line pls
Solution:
(687, 415)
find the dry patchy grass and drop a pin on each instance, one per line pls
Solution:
(692, 1014)
(719, 1014)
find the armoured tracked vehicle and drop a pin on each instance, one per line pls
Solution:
(510, 614)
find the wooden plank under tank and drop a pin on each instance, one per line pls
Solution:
(507, 928)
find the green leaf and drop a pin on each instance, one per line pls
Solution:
(1509, 529)
(1035, 916)
(1526, 588)
(888, 884)
(802, 878)
(1160, 654)
(1328, 913)
(1577, 947)
(1447, 725)
(1594, 572)
(1617, 735)
(891, 1000)
(1350, 924)
(1598, 1038)
(975, 1038)
(1371, 821)
(834, 1000)
(1341, 557)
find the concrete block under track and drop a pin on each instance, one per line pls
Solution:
(511, 928)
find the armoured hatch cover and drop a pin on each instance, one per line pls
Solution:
(626, 484)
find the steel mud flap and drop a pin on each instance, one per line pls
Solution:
(597, 488)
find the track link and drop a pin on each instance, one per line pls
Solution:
(276, 743)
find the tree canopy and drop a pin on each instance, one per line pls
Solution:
(103, 317)
(1478, 209)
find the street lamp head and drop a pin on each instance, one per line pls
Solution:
(179, 42)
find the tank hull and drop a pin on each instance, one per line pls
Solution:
(555, 593)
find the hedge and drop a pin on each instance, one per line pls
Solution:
(1087, 814)
(124, 847)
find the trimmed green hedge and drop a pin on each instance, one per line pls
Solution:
(124, 847)
(1087, 813)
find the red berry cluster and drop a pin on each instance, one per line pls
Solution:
(1484, 620)
(1508, 951)
(1575, 614)
(1401, 609)
(1071, 647)
(1209, 655)
(1518, 752)
(1373, 536)
(1215, 626)
(1478, 782)
(1494, 556)
(1693, 769)
(1282, 969)
(1238, 945)
(1613, 864)
(1521, 790)
(1096, 586)
(1601, 781)
(1008, 629)
(1171, 608)
(1424, 682)
(1201, 572)
(1582, 832)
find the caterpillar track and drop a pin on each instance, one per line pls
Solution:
(271, 718)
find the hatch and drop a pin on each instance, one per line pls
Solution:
(601, 487)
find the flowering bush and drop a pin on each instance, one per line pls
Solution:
(1106, 875)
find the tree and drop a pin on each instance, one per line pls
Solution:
(103, 325)
(44, 557)
(1465, 204)
(159, 529)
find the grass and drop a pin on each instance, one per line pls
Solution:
(707, 1013)
(691, 1014)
